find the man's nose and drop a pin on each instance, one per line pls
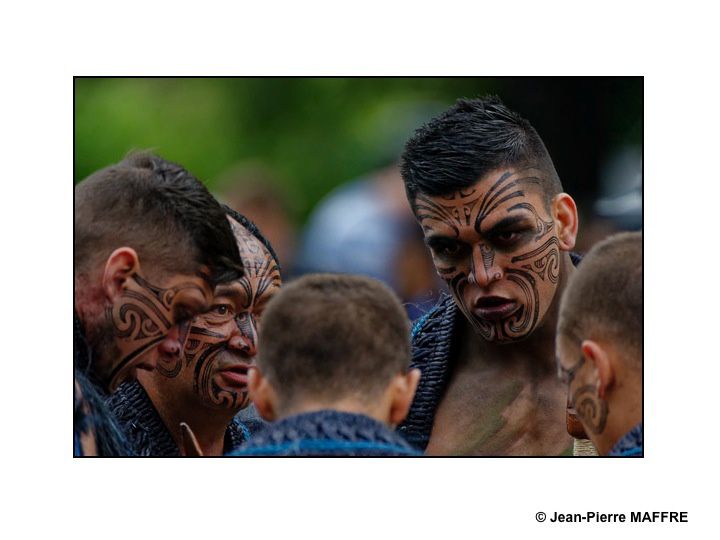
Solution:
(170, 346)
(484, 269)
(245, 339)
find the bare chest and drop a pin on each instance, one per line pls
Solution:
(500, 411)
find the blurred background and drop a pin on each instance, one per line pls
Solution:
(313, 161)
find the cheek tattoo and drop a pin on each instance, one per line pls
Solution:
(204, 347)
(204, 383)
(142, 318)
(537, 268)
(592, 410)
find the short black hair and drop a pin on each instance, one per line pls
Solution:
(253, 230)
(604, 297)
(333, 336)
(458, 147)
(160, 210)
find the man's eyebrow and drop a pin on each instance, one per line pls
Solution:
(233, 291)
(184, 311)
(506, 223)
(438, 238)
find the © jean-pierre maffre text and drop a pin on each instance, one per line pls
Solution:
(632, 517)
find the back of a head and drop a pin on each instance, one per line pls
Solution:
(457, 148)
(161, 211)
(333, 336)
(604, 298)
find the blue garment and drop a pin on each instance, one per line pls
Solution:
(326, 433)
(91, 416)
(146, 431)
(630, 444)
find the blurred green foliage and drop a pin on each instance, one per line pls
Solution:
(315, 133)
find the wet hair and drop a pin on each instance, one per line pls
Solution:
(604, 297)
(161, 211)
(475, 136)
(333, 336)
(253, 230)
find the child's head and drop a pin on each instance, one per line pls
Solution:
(599, 338)
(334, 341)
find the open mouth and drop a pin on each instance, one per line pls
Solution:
(494, 307)
(235, 375)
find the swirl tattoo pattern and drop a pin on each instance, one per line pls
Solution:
(142, 318)
(592, 410)
(220, 345)
(465, 231)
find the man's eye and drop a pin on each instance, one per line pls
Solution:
(448, 249)
(507, 238)
(222, 310)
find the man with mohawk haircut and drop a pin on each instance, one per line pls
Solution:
(500, 229)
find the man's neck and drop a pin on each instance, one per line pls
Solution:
(208, 425)
(348, 405)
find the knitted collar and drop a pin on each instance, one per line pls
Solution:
(630, 444)
(142, 424)
(326, 433)
(431, 352)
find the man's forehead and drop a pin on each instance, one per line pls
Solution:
(250, 246)
(489, 201)
(200, 279)
(527, 179)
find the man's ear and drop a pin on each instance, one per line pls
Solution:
(403, 392)
(120, 265)
(262, 394)
(565, 215)
(598, 356)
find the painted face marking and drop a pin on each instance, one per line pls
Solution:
(142, 318)
(520, 253)
(221, 343)
(592, 410)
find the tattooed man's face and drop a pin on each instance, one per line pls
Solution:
(496, 247)
(220, 345)
(145, 315)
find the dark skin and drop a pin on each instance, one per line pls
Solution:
(502, 249)
(207, 385)
(131, 318)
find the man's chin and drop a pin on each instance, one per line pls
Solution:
(496, 335)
